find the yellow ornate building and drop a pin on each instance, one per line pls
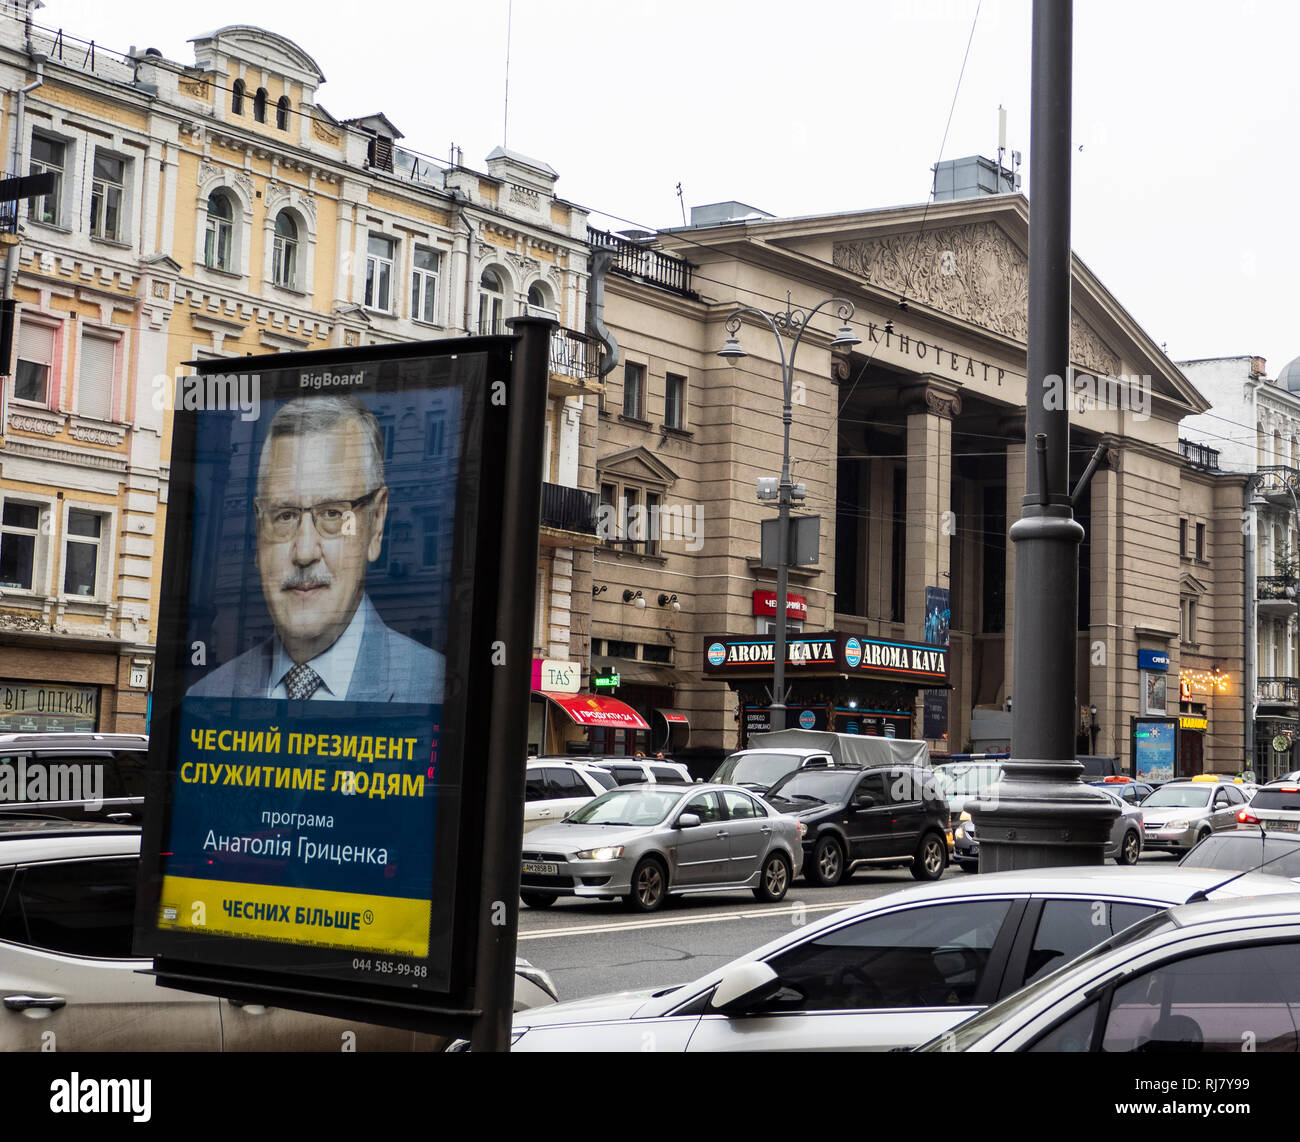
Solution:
(215, 209)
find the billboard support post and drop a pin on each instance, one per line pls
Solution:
(504, 820)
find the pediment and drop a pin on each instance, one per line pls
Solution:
(637, 466)
(260, 49)
(973, 271)
(1190, 585)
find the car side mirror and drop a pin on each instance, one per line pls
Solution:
(743, 987)
(688, 821)
(865, 801)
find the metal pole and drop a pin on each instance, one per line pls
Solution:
(494, 969)
(1040, 814)
(776, 713)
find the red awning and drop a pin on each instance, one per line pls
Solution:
(596, 710)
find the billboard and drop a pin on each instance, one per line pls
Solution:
(315, 686)
(1154, 749)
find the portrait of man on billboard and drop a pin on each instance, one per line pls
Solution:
(320, 506)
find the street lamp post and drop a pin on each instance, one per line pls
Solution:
(789, 323)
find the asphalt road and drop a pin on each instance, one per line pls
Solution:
(591, 947)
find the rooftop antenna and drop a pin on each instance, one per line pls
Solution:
(681, 200)
(1002, 134)
(505, 115)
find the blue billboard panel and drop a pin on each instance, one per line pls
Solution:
(1154, 750)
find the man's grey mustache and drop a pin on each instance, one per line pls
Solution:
(306, 578)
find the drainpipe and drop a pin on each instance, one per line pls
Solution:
(1250, 640)
(461, 199)
(11, 260)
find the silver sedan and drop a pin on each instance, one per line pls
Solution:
(644, 843)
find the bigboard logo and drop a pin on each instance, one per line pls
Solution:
(717, 654)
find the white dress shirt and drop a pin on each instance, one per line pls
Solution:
(334, 664)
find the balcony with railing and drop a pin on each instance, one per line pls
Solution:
(569, 517)
(1279, 484)
(1278, 692)
(575, 363)
(1276, 594)
(1199, 455)
(639, 261)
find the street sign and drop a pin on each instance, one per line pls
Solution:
(804, 541)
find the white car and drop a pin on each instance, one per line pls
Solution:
(645, 771)
(889, 973)
(558, 785)
(1212, 977)
(69, 980)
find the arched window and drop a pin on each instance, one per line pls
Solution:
(284, 260)
(282, 113)
(220, 232)
(491, 304)
(237, 97)
(539, 302)
(259, 105)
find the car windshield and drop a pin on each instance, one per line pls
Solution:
(975, 1028)
(1179, 797)
(1245, 850)
(761, 768)
(816, 787)
(626, 807)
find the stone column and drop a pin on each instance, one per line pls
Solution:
(931, 406)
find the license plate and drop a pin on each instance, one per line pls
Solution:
(1288, 826)
(538, 868)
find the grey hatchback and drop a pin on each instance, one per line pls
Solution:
(644, 843)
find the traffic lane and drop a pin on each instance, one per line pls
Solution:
(594, 947)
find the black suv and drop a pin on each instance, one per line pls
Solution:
(80, 777)
(880, 815)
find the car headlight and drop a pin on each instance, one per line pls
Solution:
(609, 852)
(1181, 823)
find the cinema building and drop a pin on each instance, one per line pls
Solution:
(912, 450)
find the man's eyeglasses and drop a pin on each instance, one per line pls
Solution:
(280, 521)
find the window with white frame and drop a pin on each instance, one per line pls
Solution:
(96, 366)
(49, 156)
(107, 196)
(424, 285)
(491, 304)
(20, 541)
(379, 273)
(631, 517)
(32, 373)
(539, 302)
(218, 238)
(82, 553)
(284, 257)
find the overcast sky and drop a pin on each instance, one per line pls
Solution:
(1185, 117)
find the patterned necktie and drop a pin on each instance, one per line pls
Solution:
(301, 682)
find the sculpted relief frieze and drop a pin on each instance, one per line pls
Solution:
(973, 272)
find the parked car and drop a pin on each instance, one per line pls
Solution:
(1125, 788)
(882, 815)
(888, 973)
(1275, 807)
(1245, 849)
(1204, 977)
(76, 776)
(962, 781)
(644, 843)
(67, 910)
(1180, 814)
(558, 785)
(1124, 845)
(758, 770)
(774, 755)
(642, 771)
